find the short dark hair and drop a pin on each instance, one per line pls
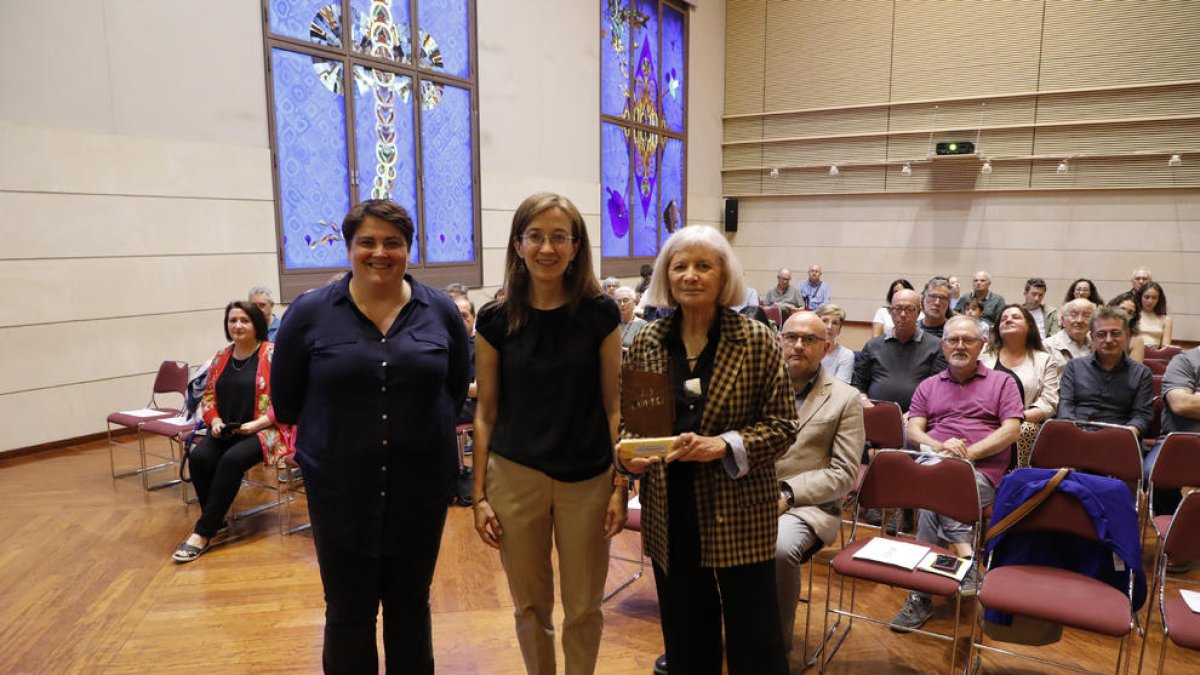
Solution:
(257, 319)
(1032, 282)
(383, 209)
(972, 304)
(892, 288)
(1105, 312)
(647, 270)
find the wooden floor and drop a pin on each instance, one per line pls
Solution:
(89, 586)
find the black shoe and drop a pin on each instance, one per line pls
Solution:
(660, 665)
(873, 517)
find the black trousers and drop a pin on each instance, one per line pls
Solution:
(217, 466)
(694, 599)
(356, 584)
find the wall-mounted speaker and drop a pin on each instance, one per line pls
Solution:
(731, 215)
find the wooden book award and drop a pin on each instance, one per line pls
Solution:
(648, 408)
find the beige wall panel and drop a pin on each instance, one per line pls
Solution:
(743, 182)
(70, 411)
(1115, 173)
(39, 159)
(1100, 105)
(493, 266)
(742, 156)
(745, 41)
(506, 191)
(705, 101)
(28, 97)
(96, 226)
(994, 143)
(958, 48)
(98, 288)
(830, 151)
(1096, 44)
(826, 53)
(1165, 137)
(224, 101)
(818, 181)
(855, 120)
(962, 115)
(743, 129)
(63, 354)
(929, 176)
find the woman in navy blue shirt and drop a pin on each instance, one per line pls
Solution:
(372, 368)
(547, 370)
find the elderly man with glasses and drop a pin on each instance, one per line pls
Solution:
(1107, 386)
(968, 411)
(784, 294)
(891, 365)
(1073, 341)
(936, 301)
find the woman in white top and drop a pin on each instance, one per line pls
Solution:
(1016, 348)
(882, 322)
(1137, 344)
(839, 361)
(1155, 324)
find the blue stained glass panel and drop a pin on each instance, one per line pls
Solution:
(381, 28)
(672, 79)
(614, 57)
(449, 188)
(385, 144)
(645, 193)
(614, 198)
(445, 39)
(310, 139)
(670, 189)
(318, 21)
(645, 65)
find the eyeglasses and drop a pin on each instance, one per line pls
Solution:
(791, 339)
(904, 310)
(967, 341)
(624, 301)
(557, 239)
(1086, 316)
(937, 296)
(1115, 334)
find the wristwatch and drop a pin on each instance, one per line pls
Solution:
(620, 481)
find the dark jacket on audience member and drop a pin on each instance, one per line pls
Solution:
(1123, 395)
(890, 370)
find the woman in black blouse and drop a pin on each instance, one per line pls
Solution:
(548, 369)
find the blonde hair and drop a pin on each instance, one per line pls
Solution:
(832, 310)
(733, 289)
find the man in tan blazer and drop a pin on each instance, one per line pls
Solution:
(821, 465)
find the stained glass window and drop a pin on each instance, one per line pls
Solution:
(643, 128)
(406, 132)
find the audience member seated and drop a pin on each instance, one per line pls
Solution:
(1016, 349)
(891, 366)
(814, 291)
(839, 362)
(1181, 412)
(784, 293)
(881, 323)
(646, 272)
(610, 286)
(752, 308)
(936, 301)
(1137, 344)
(1138, 280)
(955, 291)
(1046, 317)
(1084, 288)
(820, 467)
(968, 411)
(974, 309)
(1074, 340)
(262, 298)
(630, 324)
(1107, 386)
(241, 424)
(1155, 322)
(457, 290)
(466, 309)
(992, 302)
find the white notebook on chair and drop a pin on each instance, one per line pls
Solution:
(893, 552)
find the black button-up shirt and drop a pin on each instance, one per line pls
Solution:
(1123, 395)
(374, 413)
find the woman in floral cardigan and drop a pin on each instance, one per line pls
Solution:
(241, 423)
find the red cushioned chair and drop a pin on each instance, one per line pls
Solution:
(773, 313)
(1156, 366)
(894, 480)
(172, 378)
(1095, 447)
(1163, 353)
(1053, 594)
(1180, 624)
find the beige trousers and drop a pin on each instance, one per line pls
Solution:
(534, 508)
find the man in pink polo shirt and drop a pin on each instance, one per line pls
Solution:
(969, 411)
